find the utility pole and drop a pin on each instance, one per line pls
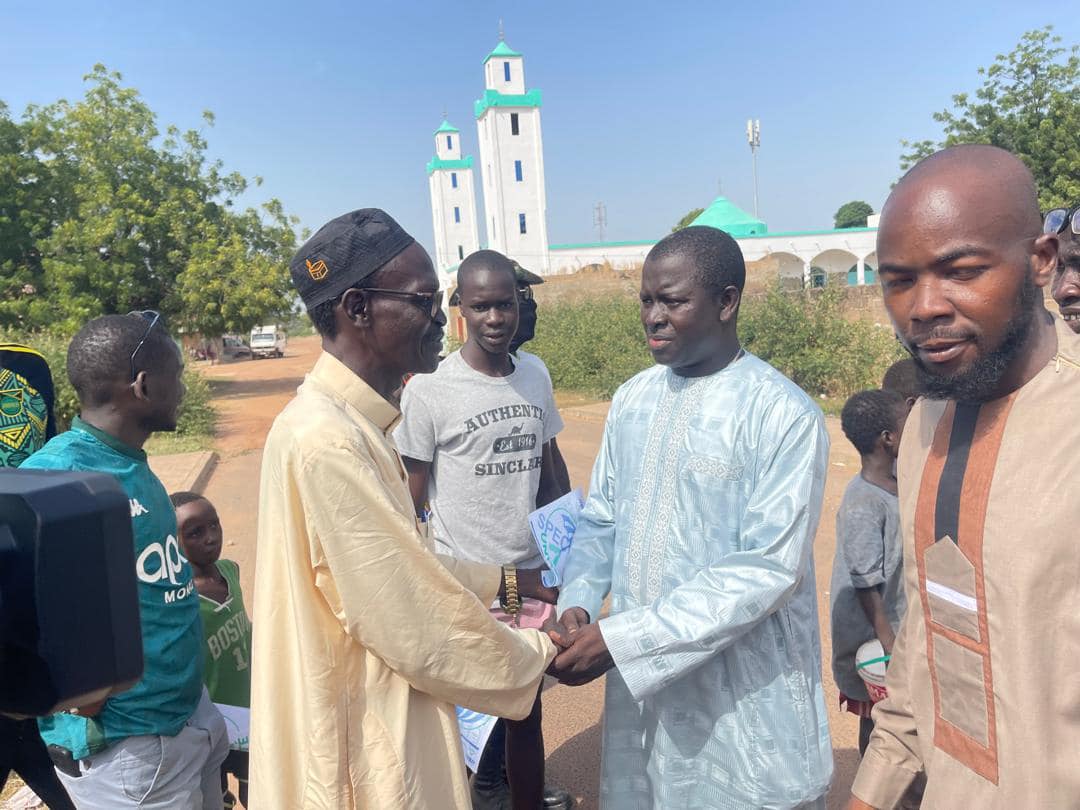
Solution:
(599, 220)
(753, 137)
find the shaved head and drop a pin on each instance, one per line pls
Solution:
(961, 259)
(969, 179)
(487, 294)
(486, 261)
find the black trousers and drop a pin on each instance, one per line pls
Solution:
(491, 770)
(22, 751)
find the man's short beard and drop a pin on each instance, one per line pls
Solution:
(979, 383)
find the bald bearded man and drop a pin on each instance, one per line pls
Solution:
(983, 695)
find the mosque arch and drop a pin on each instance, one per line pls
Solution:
(831, 267)
(869, 274)
(789, 269)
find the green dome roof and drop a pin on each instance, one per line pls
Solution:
(502, 49)
(446, 126)
(728, 217)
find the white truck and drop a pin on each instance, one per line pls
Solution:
(268, 341)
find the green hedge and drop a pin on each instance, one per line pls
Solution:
(595, 346)
(592, 346)
(807, 336)
(197, 416)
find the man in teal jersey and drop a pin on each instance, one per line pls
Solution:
(161, 743)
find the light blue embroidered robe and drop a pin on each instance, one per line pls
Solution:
(700, 522)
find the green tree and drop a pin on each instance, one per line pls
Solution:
(691, 215)
(1029, 103)
(29, 205)
(138, 220)
(852, 214)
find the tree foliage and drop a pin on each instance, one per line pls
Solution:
(1029, 103)
(101, 213)
(691, 215)
(852, 214)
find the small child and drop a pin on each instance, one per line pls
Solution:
(226, 626)
(867, 592)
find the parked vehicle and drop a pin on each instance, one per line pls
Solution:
(268, 341)
(235, 348)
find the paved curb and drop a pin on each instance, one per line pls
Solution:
(587, 413)
(185, 471)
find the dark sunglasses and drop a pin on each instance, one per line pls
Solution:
(148, 315)
(1058, 219)
(431, 302)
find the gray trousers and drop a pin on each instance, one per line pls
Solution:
(155, 772)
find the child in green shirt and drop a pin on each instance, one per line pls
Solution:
(226, 627)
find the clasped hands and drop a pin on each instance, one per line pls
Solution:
(583, 654)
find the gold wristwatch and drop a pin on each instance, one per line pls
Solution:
(511, 601)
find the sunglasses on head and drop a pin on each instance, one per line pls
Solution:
(152, 317)
(1058, 219)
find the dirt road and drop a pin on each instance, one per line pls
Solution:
(249, 394)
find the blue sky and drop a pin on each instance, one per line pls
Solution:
(645, 104)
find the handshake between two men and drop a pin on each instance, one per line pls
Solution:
(583, 654)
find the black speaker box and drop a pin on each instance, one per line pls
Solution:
(69, 604)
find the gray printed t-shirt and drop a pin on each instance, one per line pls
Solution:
(484, 437)
(869, 554)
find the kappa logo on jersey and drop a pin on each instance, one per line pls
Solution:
(137, 508)
(159, 562)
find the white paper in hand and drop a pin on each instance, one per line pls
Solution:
(553, 527)
(475, 729)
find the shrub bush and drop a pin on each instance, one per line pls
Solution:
(197, 416)
(591, 346)
(594, 346)
(808, 338)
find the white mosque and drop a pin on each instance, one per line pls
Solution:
(515, 201)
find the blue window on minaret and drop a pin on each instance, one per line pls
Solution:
(506, 71)
(517, 170)
(449, 142)
(514, 130)
(521, 223)
(457, 214)
(460, 252)
(453, 179)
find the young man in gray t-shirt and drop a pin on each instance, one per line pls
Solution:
(475, 440)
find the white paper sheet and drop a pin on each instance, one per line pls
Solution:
(475, 729)
(237, 723)
(553, 527)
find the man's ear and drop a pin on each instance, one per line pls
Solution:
(356, 304)
(1044, 256)
(140, 388)
(730, 299)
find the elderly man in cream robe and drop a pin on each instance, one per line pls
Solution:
(364, 640)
